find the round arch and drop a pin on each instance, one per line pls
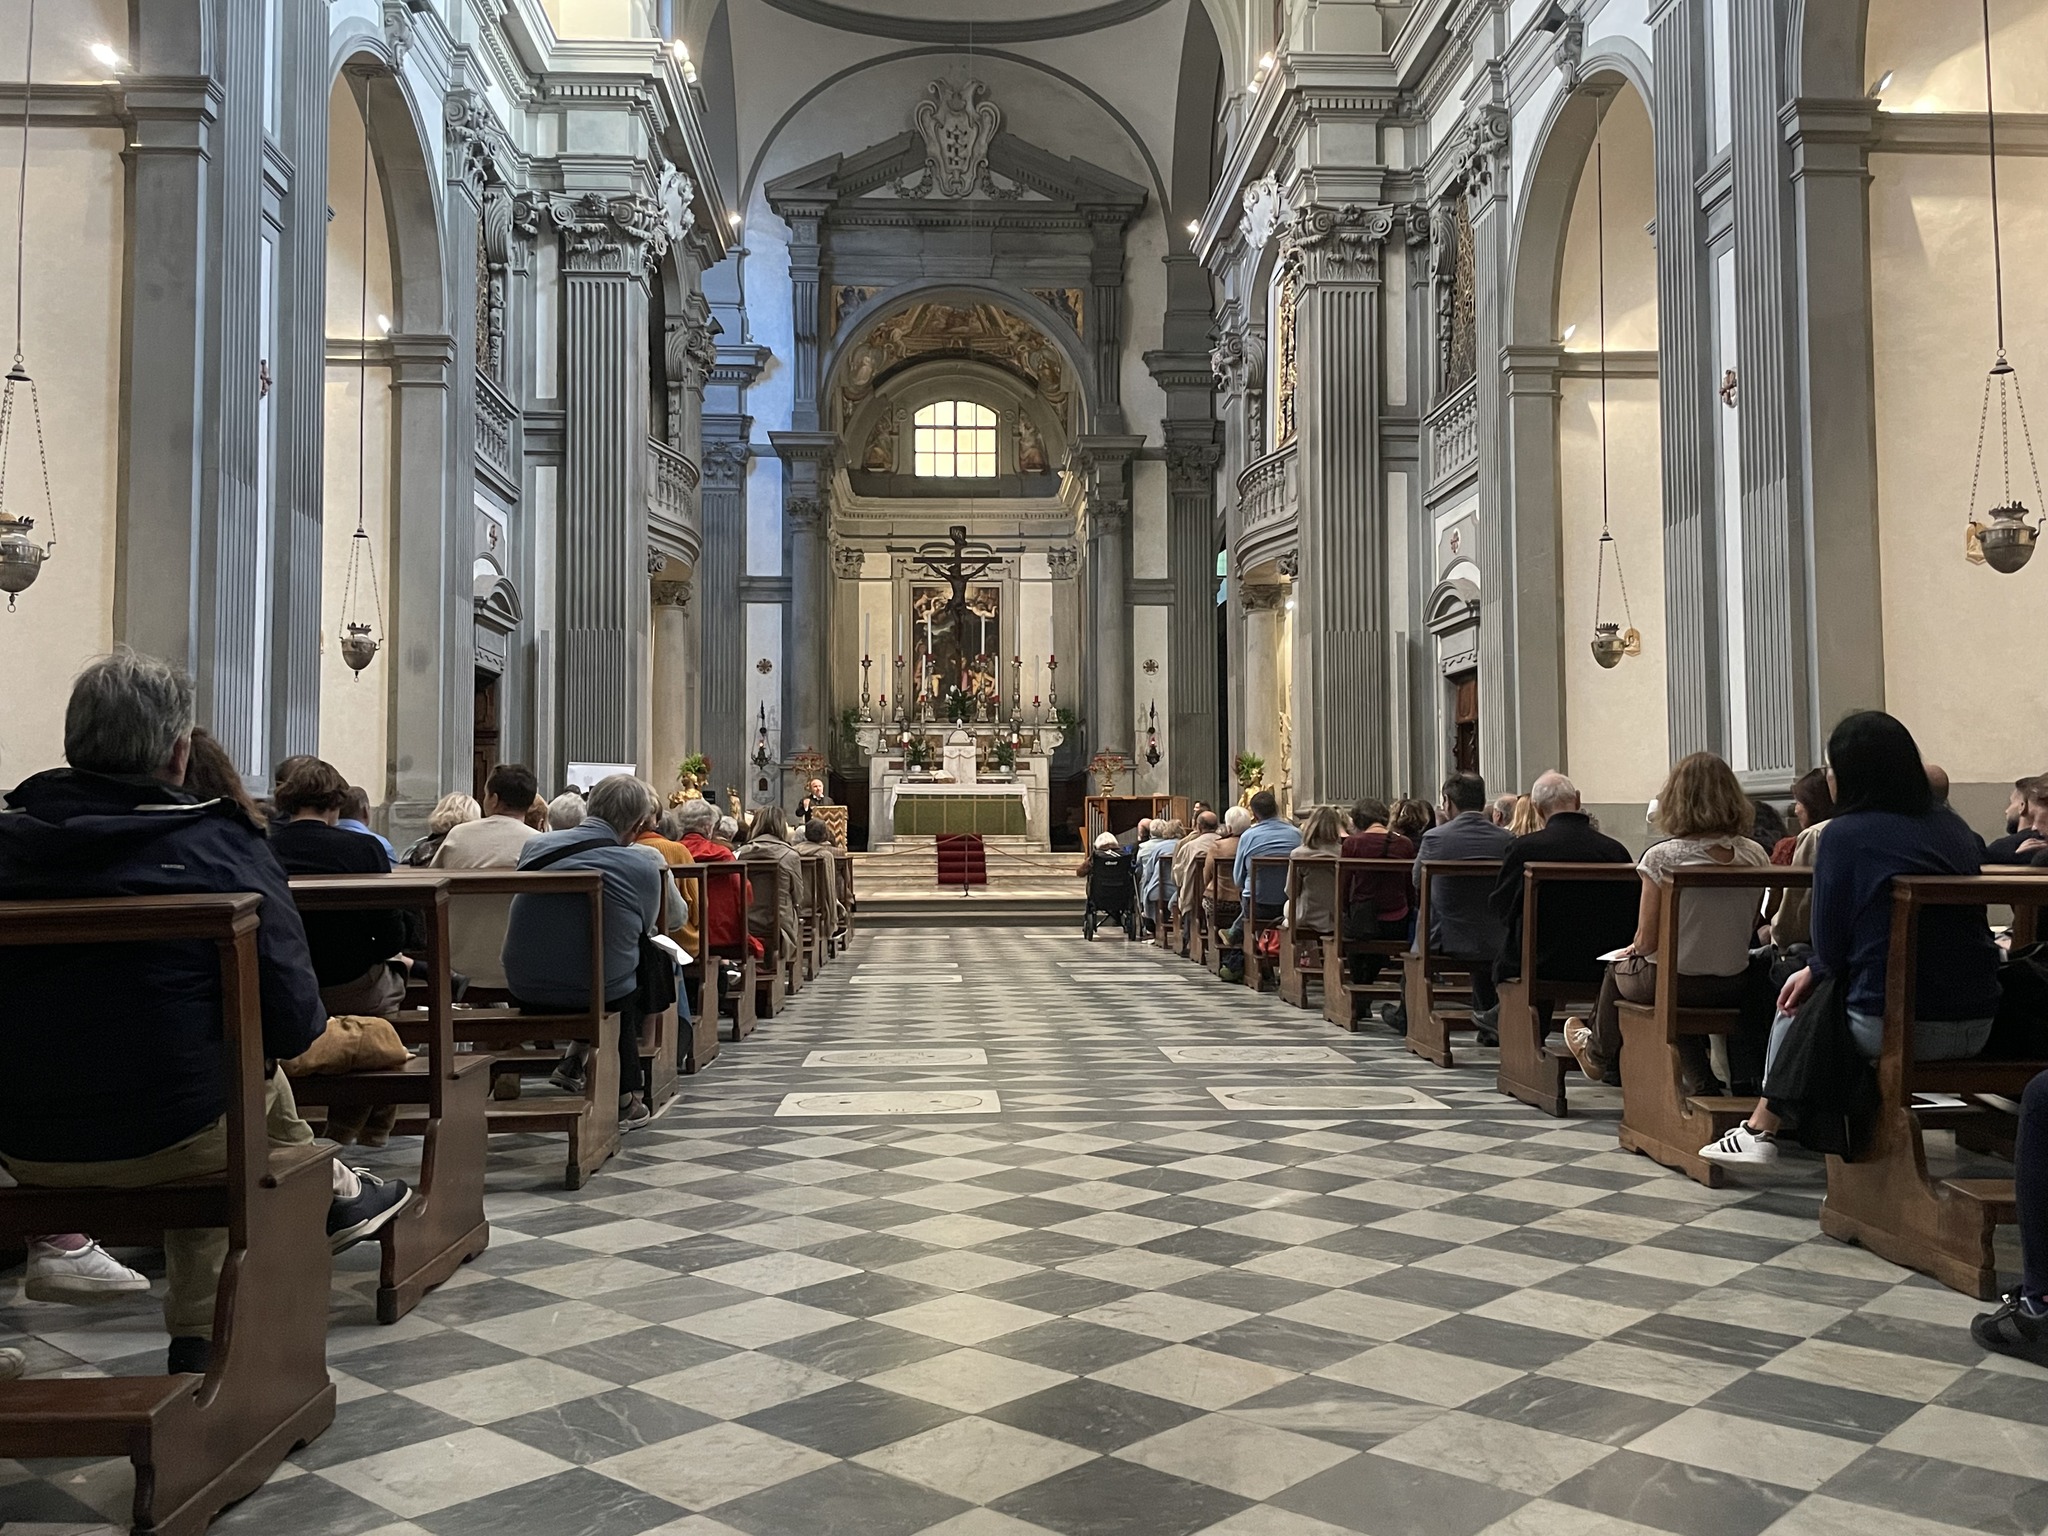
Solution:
(1042, 317)
(406, 168)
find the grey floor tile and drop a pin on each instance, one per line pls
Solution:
(304, 1506)
(412, 1361)
(368, 1426)
(1499, 1343)
(1827, 1410)
(1690, 1501)
(860, 1348)
(1108, 1497)
(843, 1500)
(1941, 1490)
(1093, 1414)
(849, 1419)
(609, 1424)
(1071, 1345)
(575, 1503)
(1383, 1497)
(640, 1354)
(1573, 1408)
(1290, 1345)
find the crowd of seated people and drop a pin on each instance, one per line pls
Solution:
(149, 804)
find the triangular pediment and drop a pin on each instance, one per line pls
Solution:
(898, 171)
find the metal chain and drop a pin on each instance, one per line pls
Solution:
(28, 92)
(1983, 426)
(2027, 436)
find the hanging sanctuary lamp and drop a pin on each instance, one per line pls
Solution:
(2003, 539)
(360, 640)
(21, 555)
(1611, 641)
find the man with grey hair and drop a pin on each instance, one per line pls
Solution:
(1579, 921)
(1208, 832)
(116, 1075)
(547, 939)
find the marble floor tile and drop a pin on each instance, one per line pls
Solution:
(1515, 1456)
(1771, 1453)
(975, 1459)
(964, 1318)
(1198, 1377)
(707, 1467)
(969, 1380)
(1249, 1459)
(736, 1385)
(417, 1479)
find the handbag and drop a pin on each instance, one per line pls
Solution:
(351, 1043)
(655, 990)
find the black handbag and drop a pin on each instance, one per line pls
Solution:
(1824, 1085)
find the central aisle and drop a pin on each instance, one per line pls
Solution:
(1117, 1305)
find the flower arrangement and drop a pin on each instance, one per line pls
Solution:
(1251, 770)
(696, 765)
(960, 706)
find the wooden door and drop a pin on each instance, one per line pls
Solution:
(486, 732)
(1465, 721)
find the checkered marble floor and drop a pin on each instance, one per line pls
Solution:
(1113, 1307)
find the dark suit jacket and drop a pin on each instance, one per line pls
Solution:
(1459, 921)
(1579, 921)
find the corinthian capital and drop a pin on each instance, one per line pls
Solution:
(1339, 244)
(608, 234)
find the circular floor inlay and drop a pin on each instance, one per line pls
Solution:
(901, 1102)
(1289, 1096)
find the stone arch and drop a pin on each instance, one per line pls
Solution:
(844, 353)
(911, 388)
(1555, 436)
(1826, 44)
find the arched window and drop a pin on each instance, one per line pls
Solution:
(955, 439)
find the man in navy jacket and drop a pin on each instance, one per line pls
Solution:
(117, 1072)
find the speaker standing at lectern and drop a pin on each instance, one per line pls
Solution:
(814, 798)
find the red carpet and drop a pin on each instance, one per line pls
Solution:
(961, 861)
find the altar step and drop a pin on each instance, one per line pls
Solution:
(897, 886)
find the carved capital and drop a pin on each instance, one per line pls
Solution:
(805, 513)
(671, 594)
(847, 560)
(1108, 514)
(1064, 561)
(480, 155)
(612, 234)
(1339, 244)
(1227, 360)
(1289, 564)
(1191, 466)
(1265, 599)
(1485, 150)
(690, 351)
(656, 560)
(725, 464)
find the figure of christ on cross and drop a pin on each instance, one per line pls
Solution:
(960, 562)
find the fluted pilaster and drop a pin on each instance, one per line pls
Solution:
(722, 699)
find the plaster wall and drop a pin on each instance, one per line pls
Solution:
(1935, 55)
(1149, 639)
(601, 18)
(64, 37)
(1624, 149)
(355, 707)
(1954, 632)
(1148, 520)
(1616, 742)
(71, 342)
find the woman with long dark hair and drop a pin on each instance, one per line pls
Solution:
(1887, 823)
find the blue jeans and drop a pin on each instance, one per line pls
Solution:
(1933, 1039)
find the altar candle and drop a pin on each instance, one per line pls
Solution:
(899, 639)
(867, 621)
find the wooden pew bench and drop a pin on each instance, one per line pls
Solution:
(696, 1047)
(1658, 1117)
(495, 1027)
(1256, 967)
(726, 882)
(197, 1443)
(1303, 951)
(1194, 921)
(1346, 1003)
(441, 1095)
(849, 902)
(1886, 1200)
(1223, 904)
(1437, 989)
(1533, 1061)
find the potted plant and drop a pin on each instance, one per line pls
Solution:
(959, 706)
(1004, 755)
(917, 754)
(1251, 771)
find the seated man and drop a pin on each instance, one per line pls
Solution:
(355, 954)
(1208, 832)
(1270, 835)
(476, 924)
(133, 1095)
(2026, 825)
(547, 938)
(816, 848)
(355, 817)
(1579, 922)
(1461, 923)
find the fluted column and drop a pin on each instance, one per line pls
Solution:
(722, 698)
(1692, 610)
(1105, 461)
(675, 679)
(1191, 654)
(603, 544)
(1341, 719)
(807, 489)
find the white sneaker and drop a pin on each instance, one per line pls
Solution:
(13, 1365)
(79, 1278)
(1742, 1148)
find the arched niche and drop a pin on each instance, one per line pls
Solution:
(1031, 439)
(387, 324)
(1933, 338)
(1608, 728)
(918, 327)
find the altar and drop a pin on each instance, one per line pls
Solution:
(946, 779)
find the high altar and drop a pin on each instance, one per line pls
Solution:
(958, 786)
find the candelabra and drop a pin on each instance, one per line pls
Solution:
(866, 713)
(1016, 687)
(900, 705)
(1052, 683)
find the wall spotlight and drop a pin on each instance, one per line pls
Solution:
(1882, 83)
(107, 55)
(1569, 332)
(384, 324)
(733, 219)
(1194, 226)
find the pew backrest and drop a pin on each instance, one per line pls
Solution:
(1535, 879)
(1699, 879)
(1912, 897)
(1429, 872)
(585, 883)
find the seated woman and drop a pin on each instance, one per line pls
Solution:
(774, 915)
(1322, 840)
(1375, 901)
(1813, 804)
(1706, 819)
(1886, 823)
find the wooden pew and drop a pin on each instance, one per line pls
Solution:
(1886, 1201)
(697, 1046)
(1194, 922)
(1303, 952)
(1225, 902)
(814, 919)
(488, 1020)
(728, 877)
(776, 979)
(847, 898)
(1345, 1002)
(197, 1443)
(1658, 1117)
(1436, 990)
(1254, 967)
(443, 1227)
(1533, 1065)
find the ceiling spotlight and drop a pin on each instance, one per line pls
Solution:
(1569, 332)
(1194, 226)
(384, 324)
(106, 54)
(733, 218)
(1883, 82)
